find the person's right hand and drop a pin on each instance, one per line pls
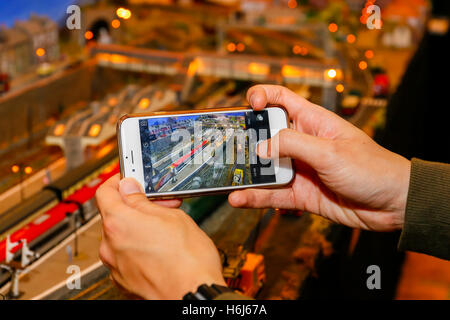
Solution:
(341, 173)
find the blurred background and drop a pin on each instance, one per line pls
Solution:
(69, 69)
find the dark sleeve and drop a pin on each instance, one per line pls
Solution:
(232, 296)
(427, 217)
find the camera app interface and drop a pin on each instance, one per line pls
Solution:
(204, 151)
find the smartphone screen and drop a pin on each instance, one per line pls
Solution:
(204, 151)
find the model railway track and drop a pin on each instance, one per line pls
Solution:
(54, 213)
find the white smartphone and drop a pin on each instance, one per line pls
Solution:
(191, 153)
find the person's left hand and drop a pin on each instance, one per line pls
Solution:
(153, 249)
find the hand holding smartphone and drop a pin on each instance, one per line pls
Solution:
(192, 153)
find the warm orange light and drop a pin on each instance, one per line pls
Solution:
(289, 71)
(332, 27)
(123, 13)
(331, 73)
(118, 58)
(40, 52)
(115, 23)
(292, 4)
(340, 88)
(28, 170)
(144, 103)
(231, 47)
(59, 130)
(88, 35)
(127, 14)
(351, 38)
(369, 54)
(300, 50)
(112, 102)
(119, 12)
(15, 168)
(363, 65)
(258, 68)
(192, 68)
(240, 47)
(104, 151)
(95, 130)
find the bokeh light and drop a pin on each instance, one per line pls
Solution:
(240, 47)
(369, 54)
(115, 23)
(333, 27)
(88, 35)
(363, 65)
(40, 52)
(351, 38)
(331, 73)
(292, 4)
(231, 47)
(340, 88)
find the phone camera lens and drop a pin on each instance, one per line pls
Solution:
(133, 170)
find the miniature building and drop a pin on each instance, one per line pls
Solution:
(15, 51)
(43, 33)
(19, 45)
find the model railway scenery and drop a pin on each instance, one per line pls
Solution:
(63, 90)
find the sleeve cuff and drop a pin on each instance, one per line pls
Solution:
(427, 217)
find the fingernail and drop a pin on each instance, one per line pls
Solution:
(129, 186)
(261, 149)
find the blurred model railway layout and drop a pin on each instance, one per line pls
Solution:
(164, 70)
(63, 206)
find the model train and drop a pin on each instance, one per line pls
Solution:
(45, 218)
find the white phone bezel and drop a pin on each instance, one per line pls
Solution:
(132, 155)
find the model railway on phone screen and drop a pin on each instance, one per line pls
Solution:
(201, 162)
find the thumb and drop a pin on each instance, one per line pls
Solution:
(297, 145)
(133, 193)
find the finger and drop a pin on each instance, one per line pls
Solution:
(312, 150)
(134, 196)
(263, 198)
(309, 118)
(108, 197)
(260, 95)
(173, 203)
